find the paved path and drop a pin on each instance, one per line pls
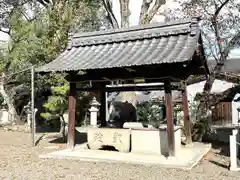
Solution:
(18, 160)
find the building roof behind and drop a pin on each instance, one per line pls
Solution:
(146, 97)
(159, 43)
(232, 65)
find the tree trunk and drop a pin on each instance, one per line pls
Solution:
(125, 13)
(204, 103)
(13, 116)
(146, 15)
(206, 92)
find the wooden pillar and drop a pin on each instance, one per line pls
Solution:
(103, 108)
(169, 116)
(71, 116)
(187, 122)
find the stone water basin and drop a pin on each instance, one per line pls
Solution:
(118, 138)
(136, 140)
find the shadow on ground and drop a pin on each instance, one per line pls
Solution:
(219, 164)
(46, 129)
(219, 150)
(223, 148)
(80, 138)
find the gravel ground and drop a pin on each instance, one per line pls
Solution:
(18, 160)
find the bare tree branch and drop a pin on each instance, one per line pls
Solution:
(205, 9)
(218, 10)
(147, 15)
(111, 16)
(223, 55)
(154, 10)
(216, 29)
(45, 3)
(144, 10)
(26, 17)
(231, 44)
(217, 70)
(5, 31)
(211, 49)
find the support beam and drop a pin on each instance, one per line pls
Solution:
(169, 116)
(103, 108)
(71, 116)
(158, 72)
(124, 87)
(187, 122)
(118, 89)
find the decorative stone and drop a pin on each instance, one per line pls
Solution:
(93, 112)
(29, 116)
(93, 116)
(118, 138)
(95, 103)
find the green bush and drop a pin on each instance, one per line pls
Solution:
(150, 113)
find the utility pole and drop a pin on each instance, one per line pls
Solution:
(32, 106)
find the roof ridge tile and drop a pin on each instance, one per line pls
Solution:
(155, 30)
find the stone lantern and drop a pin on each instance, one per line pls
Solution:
(29, 115)
(93, 112)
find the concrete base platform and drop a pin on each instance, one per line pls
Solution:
(234, 169)
(187, 158)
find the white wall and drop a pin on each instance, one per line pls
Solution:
(218, 87)
(235, 106)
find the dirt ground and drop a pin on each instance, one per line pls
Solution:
(19, 160)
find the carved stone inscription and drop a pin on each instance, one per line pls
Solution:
(117, 137)
(98, 137)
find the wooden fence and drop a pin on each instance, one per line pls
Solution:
(222, 113)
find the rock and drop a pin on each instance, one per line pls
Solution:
(121, 112)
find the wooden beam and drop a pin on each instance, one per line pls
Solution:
(71, 116)
(159, 72)
(128, 88)
(123, 88)
(187, 122)
(169, 116)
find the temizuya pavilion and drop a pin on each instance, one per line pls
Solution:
(164, 52)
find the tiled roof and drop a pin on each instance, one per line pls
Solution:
(144, 45)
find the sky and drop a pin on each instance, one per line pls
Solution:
(3, 36)
(135, 8)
